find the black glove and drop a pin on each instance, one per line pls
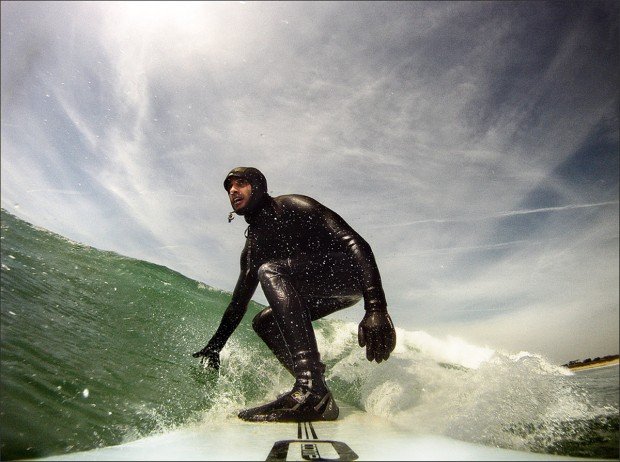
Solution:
(376, 332)
(210, 357)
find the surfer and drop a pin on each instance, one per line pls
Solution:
(309, 263)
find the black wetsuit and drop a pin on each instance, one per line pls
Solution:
(310, 263)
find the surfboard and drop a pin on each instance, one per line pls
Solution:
(354, 436)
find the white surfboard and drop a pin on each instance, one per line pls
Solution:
(354, 436)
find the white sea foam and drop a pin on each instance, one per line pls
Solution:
(450, 387)
(428, 385)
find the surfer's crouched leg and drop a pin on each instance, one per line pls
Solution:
(265, 326)
(309, 400)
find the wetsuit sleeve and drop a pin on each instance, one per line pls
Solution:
(244, 289)
(361, 255)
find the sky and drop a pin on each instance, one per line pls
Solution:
(474, 146)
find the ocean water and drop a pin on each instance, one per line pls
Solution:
(96, 350)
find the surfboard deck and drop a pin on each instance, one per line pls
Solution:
(354, 436)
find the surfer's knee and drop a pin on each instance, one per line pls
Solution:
(272, 270)
(263, 321)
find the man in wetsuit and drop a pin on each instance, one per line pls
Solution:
(309, 263)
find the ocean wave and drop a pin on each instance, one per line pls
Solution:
(75, 318)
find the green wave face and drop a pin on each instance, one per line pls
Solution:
(95, 347)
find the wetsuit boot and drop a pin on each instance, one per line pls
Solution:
(309, 400)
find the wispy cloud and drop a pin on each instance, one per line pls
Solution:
(510, 213)
(469, 142)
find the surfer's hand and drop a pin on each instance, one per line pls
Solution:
(208, 357)
(376, 332)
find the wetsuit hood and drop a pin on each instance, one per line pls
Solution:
(259, 187)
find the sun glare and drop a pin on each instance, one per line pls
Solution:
(154, 14)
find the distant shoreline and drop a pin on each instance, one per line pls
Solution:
(593, 364)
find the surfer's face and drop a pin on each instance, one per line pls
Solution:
(239, 193)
